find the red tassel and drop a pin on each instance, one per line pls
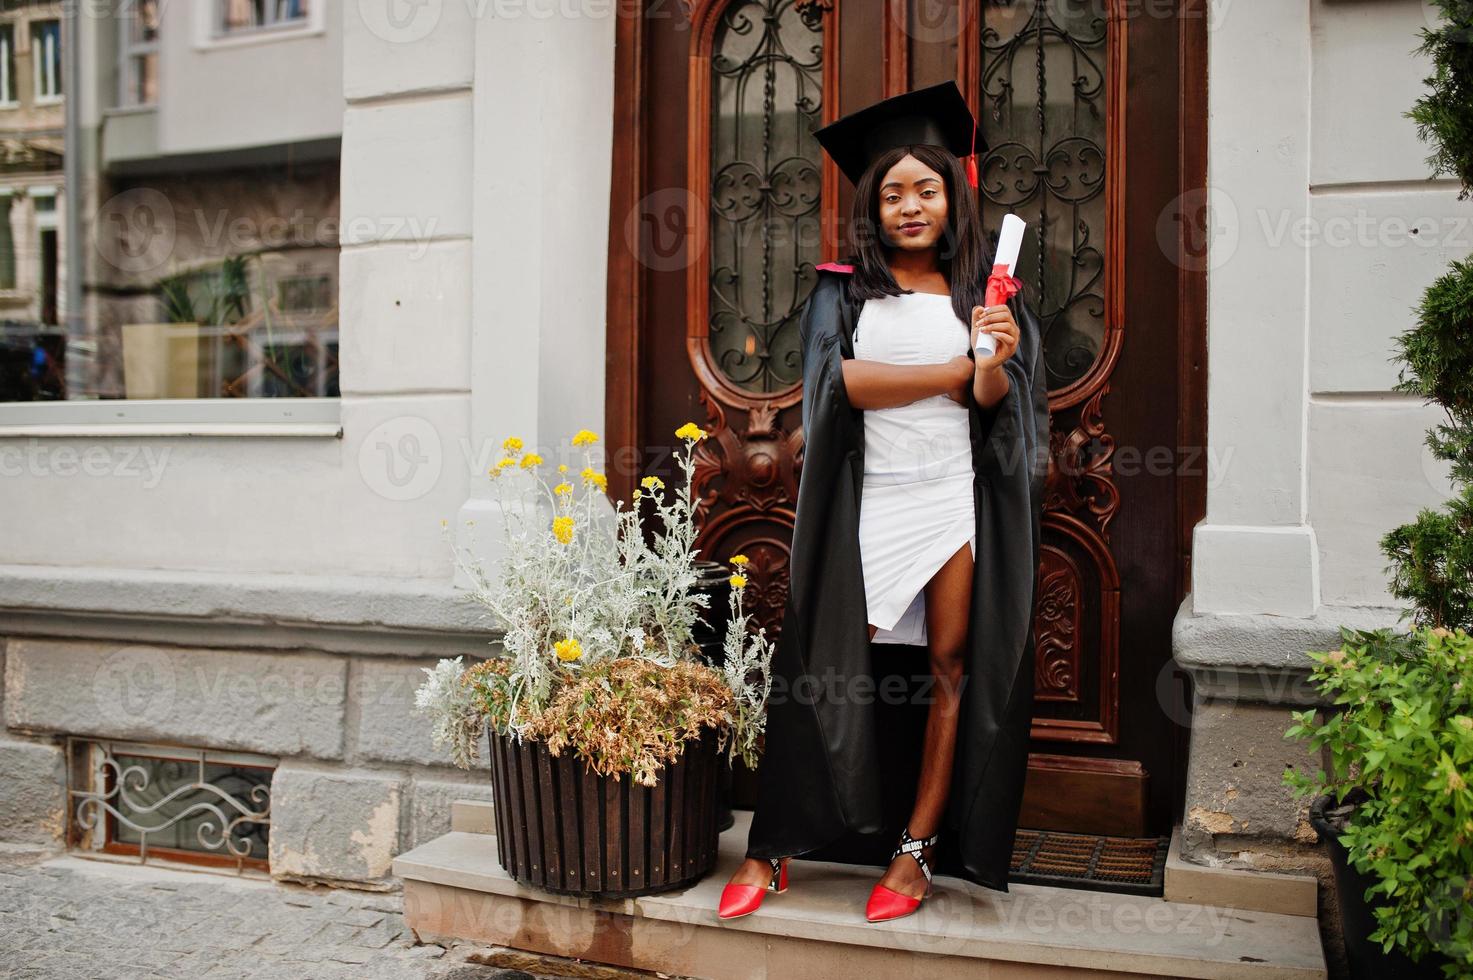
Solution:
(972, 160)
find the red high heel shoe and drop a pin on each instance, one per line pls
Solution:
(887, 903)
(739, 900)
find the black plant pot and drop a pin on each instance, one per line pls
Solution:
(710, 634)
(563, 828)
(1366, 959)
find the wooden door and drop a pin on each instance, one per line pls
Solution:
(723, 203)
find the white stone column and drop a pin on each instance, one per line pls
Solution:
(542, 119)
(1255, 551)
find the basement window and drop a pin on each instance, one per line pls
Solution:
(185, 804)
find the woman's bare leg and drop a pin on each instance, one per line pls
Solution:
(948, 601)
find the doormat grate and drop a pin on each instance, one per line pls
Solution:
(1135, 865)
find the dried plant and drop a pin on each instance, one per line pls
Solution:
(598, 610)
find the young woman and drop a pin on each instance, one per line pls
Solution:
(924, 461)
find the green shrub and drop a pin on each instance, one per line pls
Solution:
(1431, 559)
(1432, 564)
(1437, 364)
(1401, 732)
(1444, 116)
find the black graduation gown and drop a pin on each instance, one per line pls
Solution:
(820, 776)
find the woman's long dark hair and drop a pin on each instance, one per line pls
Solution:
(963, 252)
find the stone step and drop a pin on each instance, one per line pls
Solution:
(454, 887)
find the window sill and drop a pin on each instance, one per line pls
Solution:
(130, 110)
(271, 417)
(258, 35)
(257, 610)
(275, 430)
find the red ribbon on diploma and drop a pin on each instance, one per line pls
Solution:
(1001, 286)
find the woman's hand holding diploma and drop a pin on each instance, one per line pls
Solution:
(990, 382)
(995, 320)
(999, 323)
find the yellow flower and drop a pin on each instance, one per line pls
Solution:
(569, 649)
(738, 581)
(652, 483)
(562, 467)
(594, 478)
(739, 559)
(444, 523)
(637, 495)
(512, 444)
(504, 462)
(690, 431)
(562, 489)
(584, 438)
(562, 529)
(530, 460)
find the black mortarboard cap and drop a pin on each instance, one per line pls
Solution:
(937, 115)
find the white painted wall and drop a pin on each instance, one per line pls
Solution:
(543, 109)
(1317, 184)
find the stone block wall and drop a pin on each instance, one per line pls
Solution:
(357, 779)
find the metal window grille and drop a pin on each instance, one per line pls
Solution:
(185, 804)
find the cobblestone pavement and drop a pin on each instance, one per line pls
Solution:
(72, 918)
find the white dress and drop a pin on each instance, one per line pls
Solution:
(917, 507)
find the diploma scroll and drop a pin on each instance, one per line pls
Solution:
(1001, 284)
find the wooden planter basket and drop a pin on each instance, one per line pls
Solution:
(565, 829)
